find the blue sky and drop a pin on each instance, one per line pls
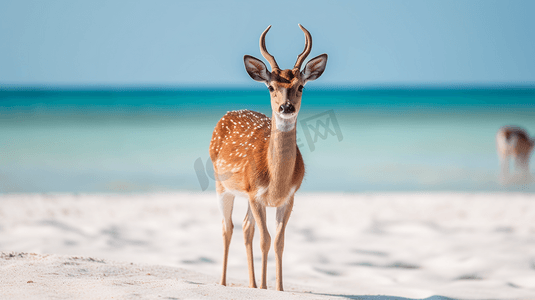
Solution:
(185, 43)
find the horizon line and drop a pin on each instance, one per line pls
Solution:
(233, 87)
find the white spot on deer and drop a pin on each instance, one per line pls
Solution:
(261, 191)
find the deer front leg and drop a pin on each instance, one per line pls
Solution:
(504, 168)
(248, 234)
(283, 214)
(259, 213)
(226, 203)
(522, 165)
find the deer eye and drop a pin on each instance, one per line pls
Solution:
(271, 89)
(300, 88)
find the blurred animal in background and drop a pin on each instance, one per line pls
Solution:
(514, 142)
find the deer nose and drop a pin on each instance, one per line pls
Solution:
(287, 108)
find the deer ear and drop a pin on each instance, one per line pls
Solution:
(314, 68)
(256, 69)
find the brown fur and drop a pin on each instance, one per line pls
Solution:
(230, 141)
(512, 141)
(523, 144)
(255, 157)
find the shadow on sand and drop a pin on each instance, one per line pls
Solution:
(382, 297)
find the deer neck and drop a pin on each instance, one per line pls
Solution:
(281, 155)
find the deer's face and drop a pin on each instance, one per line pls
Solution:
(285, 90)
(285, 86)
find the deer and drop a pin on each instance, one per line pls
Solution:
(514, 142)
(259, 158)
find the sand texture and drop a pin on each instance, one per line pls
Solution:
(353, 246)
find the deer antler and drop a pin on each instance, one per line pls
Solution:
(264, 51)
(306, 52)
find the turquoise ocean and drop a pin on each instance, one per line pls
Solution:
(352, 140)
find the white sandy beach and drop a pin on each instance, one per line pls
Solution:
(355, 246)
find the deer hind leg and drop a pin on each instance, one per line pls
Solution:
(259, 213)
(522, 167)
(248, 234)
(226, 203)
(521, 163)
(283, 214)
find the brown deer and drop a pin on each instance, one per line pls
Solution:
(259, 156)
(512, 141)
